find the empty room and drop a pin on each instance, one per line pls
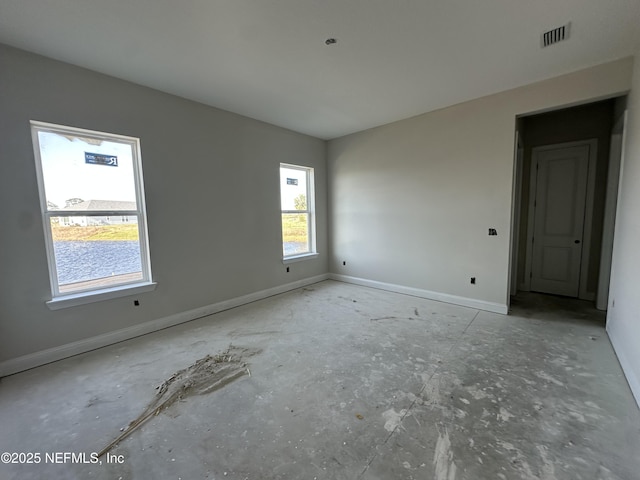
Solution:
(320, 240)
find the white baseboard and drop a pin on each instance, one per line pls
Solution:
(627, 367)
(417, 292)
(43, 357)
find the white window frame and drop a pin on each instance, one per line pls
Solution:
(89, 295)
(311, 215)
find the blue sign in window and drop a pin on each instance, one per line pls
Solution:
(100, 159)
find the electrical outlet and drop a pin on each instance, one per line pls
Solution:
(473, 280)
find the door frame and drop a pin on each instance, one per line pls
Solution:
(588, 212)
(614, 187)
(516, 202)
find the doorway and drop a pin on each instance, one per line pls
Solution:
(563, 215)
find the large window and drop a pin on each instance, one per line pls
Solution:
(297, 204)
(92, 202)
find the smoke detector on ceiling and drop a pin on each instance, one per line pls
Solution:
(555, 35)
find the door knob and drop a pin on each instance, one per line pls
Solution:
(576, 241)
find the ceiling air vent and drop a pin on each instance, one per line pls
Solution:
(556, 35)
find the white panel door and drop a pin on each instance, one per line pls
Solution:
(561, 191)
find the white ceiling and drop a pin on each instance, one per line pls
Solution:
(267, 59)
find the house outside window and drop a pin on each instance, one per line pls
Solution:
(298, 212)
(93, 211)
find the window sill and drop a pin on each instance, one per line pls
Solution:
(83, 298)
(300, 258)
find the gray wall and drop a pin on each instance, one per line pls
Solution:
(411, 202)
(212, 191)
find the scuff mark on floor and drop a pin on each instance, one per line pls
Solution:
(393, 419)
(235, 333)
(518, 460)
(504, 415)
(206, 375)
(577, 416)
(391, 318)
(605, 474)
(478, 394)
(548, 470)
(431, 390)
(549, 378)
(445, 467)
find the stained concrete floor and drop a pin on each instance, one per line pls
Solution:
(351, 383)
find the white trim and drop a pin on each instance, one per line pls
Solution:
(528, 259)
(616, 158)
(610, 300)
(627, 366)
(300, 258)
(43, 357)
(59, 298)
(428, 294)
(516, 208)
(91, 296)
(588, 222)
(310, 211)
(608, 223)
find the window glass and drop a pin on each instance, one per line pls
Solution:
(293, 188)
(295, 233)
(92, 251)
(86, 173)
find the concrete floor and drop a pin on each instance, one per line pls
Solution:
(351, 383)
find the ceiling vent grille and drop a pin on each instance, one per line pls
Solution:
(556, 35)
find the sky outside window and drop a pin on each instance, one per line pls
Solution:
(289, 191)
(67, 175)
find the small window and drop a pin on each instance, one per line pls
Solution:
(92, 201)
(297, 205)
